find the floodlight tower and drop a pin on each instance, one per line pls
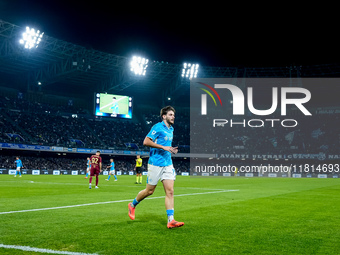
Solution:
(31, 38)
(190, 70)
(139, 65)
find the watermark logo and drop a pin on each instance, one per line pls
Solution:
(204, 97)
(238, 99)
(289, 96)
(262, 126)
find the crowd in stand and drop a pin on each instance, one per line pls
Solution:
(57, 126)
(35, 123)
(22, 121)
(78, 162)
(117, 134)
(44, 163)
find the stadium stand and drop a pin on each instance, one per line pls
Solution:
(26, 122)
(34, 123)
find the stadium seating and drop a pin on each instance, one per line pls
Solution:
(29, 122)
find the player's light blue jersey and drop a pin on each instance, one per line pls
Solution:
(115, 108)
(162, 135)
(112, 166)
(18, 162)
(88, 163)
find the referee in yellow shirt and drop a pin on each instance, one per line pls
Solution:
(139, 170)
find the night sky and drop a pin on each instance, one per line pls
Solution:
(221, 34)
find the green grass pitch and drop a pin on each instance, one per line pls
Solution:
(229, 215)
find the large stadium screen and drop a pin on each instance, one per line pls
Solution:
(115, 106)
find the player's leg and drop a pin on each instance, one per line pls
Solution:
(97, 179)
(168, 180)
(17, 172)
(169, 194)
(108, 178)
(154, 173)
(91, 177)
(148, 191)
(169, 204)
(114, 175)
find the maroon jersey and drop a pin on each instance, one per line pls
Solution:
(95, 160)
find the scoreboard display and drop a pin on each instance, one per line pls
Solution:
(114, 106)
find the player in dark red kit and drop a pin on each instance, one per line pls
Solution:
(96, 168)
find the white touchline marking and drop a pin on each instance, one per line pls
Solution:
(28, 248)
(111, 202)
(176, 188)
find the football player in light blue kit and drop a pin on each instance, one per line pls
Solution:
(160, 167)
(88, 167)
(18, 162)
(112, 170)
(114, 107)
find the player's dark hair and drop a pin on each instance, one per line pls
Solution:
(98, 151)
(166, 109)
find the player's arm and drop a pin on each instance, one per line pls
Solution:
(148, 142)
(100, 166)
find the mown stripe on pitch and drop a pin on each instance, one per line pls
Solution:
(33, 249)
(111, 202)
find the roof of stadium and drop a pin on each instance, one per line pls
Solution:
(88, 47)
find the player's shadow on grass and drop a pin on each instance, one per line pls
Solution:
(149, 217)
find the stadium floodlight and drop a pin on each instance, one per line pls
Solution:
(190, 70)
(31, 38)
(139, 65)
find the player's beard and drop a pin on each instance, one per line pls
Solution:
(169, 121)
